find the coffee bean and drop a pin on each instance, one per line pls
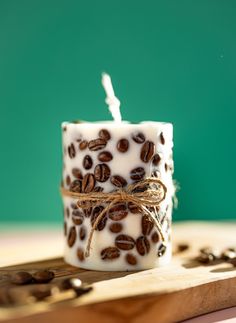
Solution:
(118, 181)
(156, 159)
(77, 173)
(22, 278)
(118, 211)
(104, 134)
(83, 145)
(43, 276)
(40, 293)
(131, 259)
(123, 145)
(166, 167)
(98, 189)
(74, 206)
(155, 237)
(181, 247)
(133, 208)
(233, 261)
(76, 186)
(147, 225)
(71, 151)
(67, 212)
(110, 253)
(228, 254)
(80, 254)
(77, 217)
(87, 211)
(88, 183)
(71, 237)
(102, 172)
(124, 242)
(105, 156)
(68, 180)
(142, 245)
(147, 151)
(87, 162)
(82, 233)
(162, 138)
(137, 174)
(96, 212)
(65, 228)
(161, 250)
(116, 227)
(138, 137)
(205, 258)
(64, 128)
(97, 144)
(156, 174)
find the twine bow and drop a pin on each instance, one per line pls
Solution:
(145, 194)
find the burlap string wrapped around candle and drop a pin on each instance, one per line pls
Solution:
(145, 194)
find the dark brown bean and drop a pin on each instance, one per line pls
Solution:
(137, 174)
(155, 237)
(98, 189)
(68, 180)
(118, 211)
(64, 128)
(83, 145)
(71, 237)
(138, 137)
(156, 174)
(43, 276)
(142, 245)
(67, 212)
(87, 162)
(110, 253)
(118, 181)
(105, 156)
(76, 186)
(102, 172)
(96, 212)
(77, 217)
(82, 233)
(88, 183)
(133, 208)
(181, 247)
(122, 145)
(71, 151)
(131, 259)
(80, 254)
(77, 173)
(22, 278)
(97, 144)
(166, 167)
(147, 151)
(116, 227)
(156, 159)
(124, 242)
(162, 138)
(74, 206)
(40, 293)
(65, 228)
(87, 211)
(104, 134)
(147, 225)
(161, 250)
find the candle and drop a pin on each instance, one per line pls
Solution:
(108, 157)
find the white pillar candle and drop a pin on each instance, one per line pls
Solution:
(106, 156)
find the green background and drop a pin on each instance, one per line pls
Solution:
(169, 60)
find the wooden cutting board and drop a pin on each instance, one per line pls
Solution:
(176, 292)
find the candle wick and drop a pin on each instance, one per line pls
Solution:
(111, 100)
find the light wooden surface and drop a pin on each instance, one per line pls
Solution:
(169, 294)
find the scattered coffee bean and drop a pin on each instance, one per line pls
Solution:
(155, 237)
(43, 276)
(138, 137)
(133, 208)
(88, 183)
(104, 134)
(233, 261)
(161, 250)
(77, 217)
(83, 145)
(137, 174)
(118, 181)
(65, 228)
(96, 212)
(118, 211)
(76, 186)
(156, 159)
(71, 237)
(142, 245)
(147, 225)
(87, 162)
(110, 253)
(228, 254)
(67, 212)
(71, 151)
(80, 254)
(116, 227)
(205, 258)
(22, 278)
(147, 151)
(181, 247)
(98, 189)
(102, 172)
(82, 233)
(77, 173)
(123, 145)
(162, 138)
(131, 259)
(124, 242)
(105, 156)
(40, 293)
(97, 144)
(68, 180)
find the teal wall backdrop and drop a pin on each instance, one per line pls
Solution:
(169, 60)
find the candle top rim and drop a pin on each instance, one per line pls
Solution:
(124, 123)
